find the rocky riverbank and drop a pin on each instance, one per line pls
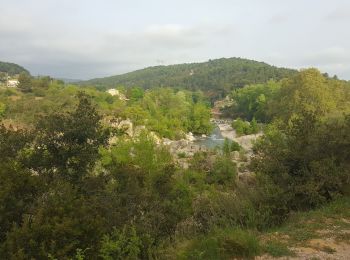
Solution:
(186, 147)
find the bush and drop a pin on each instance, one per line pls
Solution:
(306, 159)
(121, 244)
(223, 172)
(244, 127)
(230, 146)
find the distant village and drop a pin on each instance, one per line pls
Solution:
(8, 81)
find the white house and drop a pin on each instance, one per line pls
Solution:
(12, 83)
(116, 92)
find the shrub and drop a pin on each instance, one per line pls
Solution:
(244, 127)
(223, 171)
(121, 244)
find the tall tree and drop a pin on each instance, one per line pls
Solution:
(67, 143)
(25, 82)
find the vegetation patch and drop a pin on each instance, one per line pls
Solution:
(277, 249)
(223, 244)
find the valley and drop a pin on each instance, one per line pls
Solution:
(254, 171)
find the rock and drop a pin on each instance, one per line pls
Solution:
(155, 137)
(246, 141)
(235, 155)
(247, 178)
(127, 126)
(190, 137)
(225, 127)
(139, 129)
(167, 141)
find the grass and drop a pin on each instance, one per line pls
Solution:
(303, 226)
(277, 249)
(329, 221)
(222, 244)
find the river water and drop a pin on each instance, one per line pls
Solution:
(215, 139)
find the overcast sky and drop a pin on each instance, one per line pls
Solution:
(93, 38)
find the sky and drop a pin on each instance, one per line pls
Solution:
(83, 39)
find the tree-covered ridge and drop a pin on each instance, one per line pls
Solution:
(12, 68)
(216, 77)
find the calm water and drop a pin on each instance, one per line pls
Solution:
(213, 140)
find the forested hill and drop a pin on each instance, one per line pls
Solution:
(214, 76)
(11, 68)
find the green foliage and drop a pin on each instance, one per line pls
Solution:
(66, 193)
(253, 101)
(245, 128)
(148, 194)
(135, 93)
(25, 82)
(307, 92)
(60, 222)
(67, 143)
(298, 156)
(230, 146)
(170, 113)
(224, 171)
(12, 143)
(124, 244)
(18, 189)
(200, 119)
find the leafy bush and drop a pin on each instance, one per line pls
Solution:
(306, 159)
(244, 127)
(223, 172)
(230, 146)
(121, 244)
(254, 101)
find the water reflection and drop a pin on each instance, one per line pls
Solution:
(215, 139)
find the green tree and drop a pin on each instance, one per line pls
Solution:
(305, 160)
(25, 82)
(307, 92)
(254, 126)
(67, 143)
(18, 190)
(200, 119)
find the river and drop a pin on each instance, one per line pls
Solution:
(213, 140)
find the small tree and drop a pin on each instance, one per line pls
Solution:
(68, 143)
(25, 82)
(254, 126)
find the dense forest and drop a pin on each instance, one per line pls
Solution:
(11, 68)
(75, 186)
(216, 77)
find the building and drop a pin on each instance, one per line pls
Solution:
(12, 83)
(115, 92)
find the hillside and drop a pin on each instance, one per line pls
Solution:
(216, 77)
(11, 68)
